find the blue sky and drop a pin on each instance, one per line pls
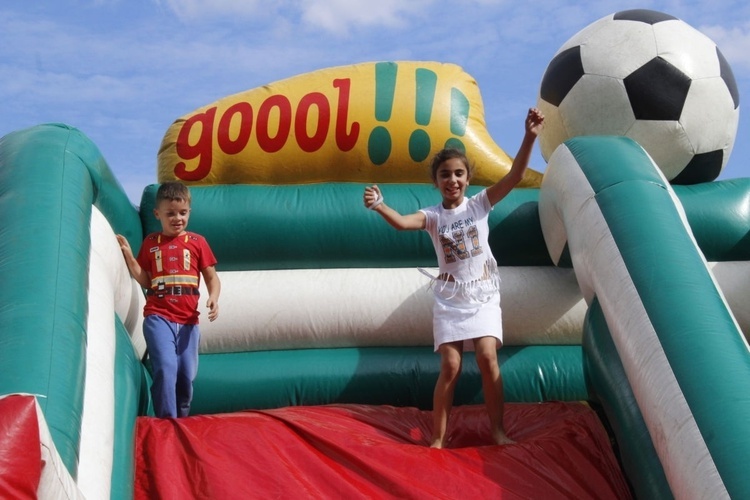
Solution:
(122, 70)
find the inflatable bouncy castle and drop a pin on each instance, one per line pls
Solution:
(624, 360)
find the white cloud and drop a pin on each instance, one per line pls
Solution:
(197, 10)
(340, 16)
(734, 44)
(56, 87)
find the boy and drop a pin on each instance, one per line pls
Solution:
(169, 266)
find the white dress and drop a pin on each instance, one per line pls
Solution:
(467, 293)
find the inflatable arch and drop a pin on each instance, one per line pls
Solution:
(639, 310)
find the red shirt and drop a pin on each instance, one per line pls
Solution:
(174, 262)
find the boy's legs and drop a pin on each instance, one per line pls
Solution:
(451, 354)
(188, 339)
(160, 337)
(492, 386)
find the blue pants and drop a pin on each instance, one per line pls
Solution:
(173, 349)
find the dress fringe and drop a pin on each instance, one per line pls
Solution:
(467, 289)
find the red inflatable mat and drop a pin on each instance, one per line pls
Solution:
(360, 451)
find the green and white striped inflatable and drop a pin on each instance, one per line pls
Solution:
(651, 290)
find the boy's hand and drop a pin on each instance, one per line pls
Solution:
(213, 309)
(136, 271)
(534, 121)
(372, 197)
(124, 245)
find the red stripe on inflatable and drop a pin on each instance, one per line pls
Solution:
(356, 451)
(20, 452)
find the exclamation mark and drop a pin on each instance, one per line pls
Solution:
(459, 118)
(379, 144)
(419, 141)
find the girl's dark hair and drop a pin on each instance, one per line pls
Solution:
(173, 191)
(448, 154)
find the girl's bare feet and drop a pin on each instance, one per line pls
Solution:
(500, 438)
(437, 443)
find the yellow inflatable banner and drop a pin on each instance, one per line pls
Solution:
(371, 122)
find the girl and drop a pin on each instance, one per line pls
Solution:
(467, 296)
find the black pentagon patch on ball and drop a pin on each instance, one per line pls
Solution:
(704, 167)
(657, 90)
(562, 73)
(643, 15)
(728, 76)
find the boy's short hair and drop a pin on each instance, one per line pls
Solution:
(447, 154)
(173, 191)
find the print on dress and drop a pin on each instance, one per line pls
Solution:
(455, 247)
(473, 234)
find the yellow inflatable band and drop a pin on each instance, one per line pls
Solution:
(371, 122)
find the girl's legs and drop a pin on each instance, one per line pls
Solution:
(492, 386)
(451, 354)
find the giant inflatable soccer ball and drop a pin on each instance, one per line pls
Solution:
(651, 77)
